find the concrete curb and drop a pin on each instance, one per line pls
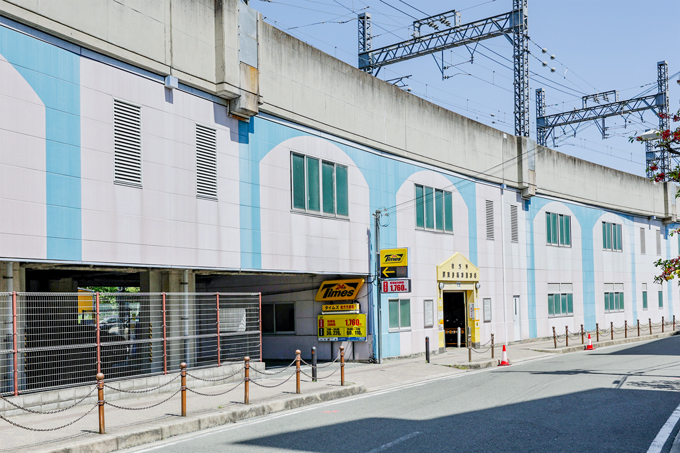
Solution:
(601, 344)
(474, 365)
(112, 442)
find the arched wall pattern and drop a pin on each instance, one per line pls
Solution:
(588, 218)
(384, 175)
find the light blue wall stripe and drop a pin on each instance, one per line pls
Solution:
(54, 74)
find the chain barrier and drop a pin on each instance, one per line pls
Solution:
(42, 430)
(273, 373)
(320, 366)
(484, 351)
(217, 394)
(223, 378)
(56, 411)
(145, 390)
(273, 386)
(321, 378)
(145, 407)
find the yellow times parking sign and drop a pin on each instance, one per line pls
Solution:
(350, 327)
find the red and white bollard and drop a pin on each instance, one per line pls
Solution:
(589, 346)
(504, 358)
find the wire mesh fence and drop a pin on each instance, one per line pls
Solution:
(65, 339)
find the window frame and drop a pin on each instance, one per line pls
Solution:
(445, 200)
(660, 298)
(400, 328)
(612, 233)
(285, 332)
(428, 323)
(560, 238)
(487, 313)
(321, 212)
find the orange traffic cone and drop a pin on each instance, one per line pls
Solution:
(589, 346)
(504, 358)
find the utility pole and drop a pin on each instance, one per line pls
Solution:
(378, 333)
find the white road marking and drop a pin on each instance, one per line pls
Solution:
(394, 442)
(666, 430)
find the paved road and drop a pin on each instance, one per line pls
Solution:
(610, 400)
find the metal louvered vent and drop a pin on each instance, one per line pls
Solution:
(127, 143)
(489, 220)
(514, 231)
(643, 246)
(658, 242)
(206, 162)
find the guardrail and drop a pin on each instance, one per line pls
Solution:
(183, 374)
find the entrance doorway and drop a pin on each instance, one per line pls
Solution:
(454, 317)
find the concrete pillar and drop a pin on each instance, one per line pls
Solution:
(151, 319)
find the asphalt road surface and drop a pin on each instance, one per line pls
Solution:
(616, 399)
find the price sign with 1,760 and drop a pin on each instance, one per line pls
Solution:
(396, 285)
(349, 327)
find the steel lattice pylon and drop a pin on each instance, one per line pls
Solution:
(513, 23)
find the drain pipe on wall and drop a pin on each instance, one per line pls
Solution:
(504, 298)
(185, 290)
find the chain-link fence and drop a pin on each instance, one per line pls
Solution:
(65, 339)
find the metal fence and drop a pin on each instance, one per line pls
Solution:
(54, 340)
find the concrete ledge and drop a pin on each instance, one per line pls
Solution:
(112, 442)
(601, 344)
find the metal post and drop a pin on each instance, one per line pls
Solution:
(650, 325)
(469, 346)
(458, 336)
(219, 351)
(583, 340)
(342, 365)
(15, 350)
(314, 359)
(297, 371)
(663, 323)
(99, 344)
(625, 329)
(378, 293)
(554, 338)
(597, 331)
(183, 368)
(566, 335)
(638, 323)
(260, 295)
(492, 346)
(673, 322)
(427, 349)
(611, 329)
(100, 402)
(246, 379)
(165, 340)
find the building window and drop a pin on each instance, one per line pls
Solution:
(643, 246)
(558, 229)
(560, 299)
(487, 310)
(660, 299)
(319, 186)
(611, 236)
(400, 314)
(206, 162)
(613, 297)
(429, 312)
(644, 296)
(489, 220)
(434, 209)
(658, 242)
(127, 143)
(278, 318)
(514, 227)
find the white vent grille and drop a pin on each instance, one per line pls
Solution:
(514, 230)
(658, 242)
(643, 246)
(206, 162)
(489, 220)
(127, 143)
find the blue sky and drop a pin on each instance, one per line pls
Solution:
(599, 45)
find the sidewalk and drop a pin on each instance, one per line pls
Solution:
(127, 428)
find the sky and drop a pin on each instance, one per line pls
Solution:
(598, 45)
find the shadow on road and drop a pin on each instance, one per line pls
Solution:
(663, 346)
(599, 420)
